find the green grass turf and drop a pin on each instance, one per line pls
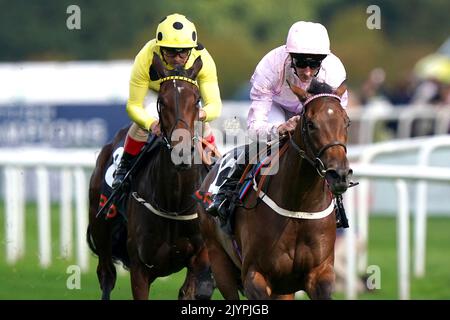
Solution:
(27, 280)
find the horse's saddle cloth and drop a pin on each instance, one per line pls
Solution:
(106, 188)
(119, 205)
(224, 166)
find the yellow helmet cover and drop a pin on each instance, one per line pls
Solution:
(176, 31)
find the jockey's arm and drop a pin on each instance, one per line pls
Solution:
(135, 107)
(209, 88)
(258, 119)
(258, 122)
(139, 84)
(263, 82)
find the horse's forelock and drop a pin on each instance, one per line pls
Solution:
(179, 70)
(317, 87)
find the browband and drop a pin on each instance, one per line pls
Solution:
(321, 95)
(180, 78)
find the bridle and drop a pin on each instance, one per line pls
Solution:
(167, 137)
(315, 161)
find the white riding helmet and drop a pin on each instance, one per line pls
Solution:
(308, 38)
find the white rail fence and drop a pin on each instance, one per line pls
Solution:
(367, 121)
(75, 166)
(424, 147)
(401, 175)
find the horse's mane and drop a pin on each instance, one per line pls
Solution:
(317, 87)
(178, 71)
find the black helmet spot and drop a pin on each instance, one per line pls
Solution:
(177, 25)
(163, 19)
(160, 36)
(194, 36)
(199, 46)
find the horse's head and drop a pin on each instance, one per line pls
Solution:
(321, 133)
(178, 109)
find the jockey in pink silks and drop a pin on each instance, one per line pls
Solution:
(274, 109)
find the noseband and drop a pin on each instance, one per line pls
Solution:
(316, 162)
(167, 138)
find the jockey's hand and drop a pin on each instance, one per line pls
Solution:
(202, 115)
(288, 126)
(155, 129)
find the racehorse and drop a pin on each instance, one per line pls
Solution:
(163, 234)
(285, 229)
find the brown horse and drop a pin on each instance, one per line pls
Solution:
(163, 234)
(283, 241)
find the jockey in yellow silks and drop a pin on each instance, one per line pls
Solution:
(176, 44)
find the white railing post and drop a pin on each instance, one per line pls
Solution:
(363, 199)
(420, 225)
(81, 191)
(11, 222)
(20, 209)
(403, 240)
(350, 244)
(44, 221)
(66, 233)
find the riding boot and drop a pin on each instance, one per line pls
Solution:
(122, 169)
(227, 191)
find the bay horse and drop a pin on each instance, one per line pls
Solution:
(284, 239)
(163, 234)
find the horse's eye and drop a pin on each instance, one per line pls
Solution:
(348, 123)
(311, 125)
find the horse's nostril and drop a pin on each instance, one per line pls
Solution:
(333, 174)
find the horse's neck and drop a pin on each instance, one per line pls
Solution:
(300, 187)
(169, 187)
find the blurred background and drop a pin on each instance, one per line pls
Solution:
(63, 93)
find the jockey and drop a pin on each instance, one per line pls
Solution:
(176, 43)
(274, 109)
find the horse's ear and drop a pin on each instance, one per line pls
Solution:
(193, 71)
(299, 92)
(341, 89)
(159, 66)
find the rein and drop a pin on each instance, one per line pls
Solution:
(189, 212)
(166, 137)
(316, 162)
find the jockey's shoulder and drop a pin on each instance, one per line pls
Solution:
(332, 60)
(332, 71)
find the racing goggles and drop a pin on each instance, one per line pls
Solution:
(303, 62)
(183, 53)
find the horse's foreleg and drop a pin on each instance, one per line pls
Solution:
(187, 289)
(320, 282)
(204, 282)
(106, 273)
(256, 286)
(140, 281)
(99, 235)
(225, 272)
